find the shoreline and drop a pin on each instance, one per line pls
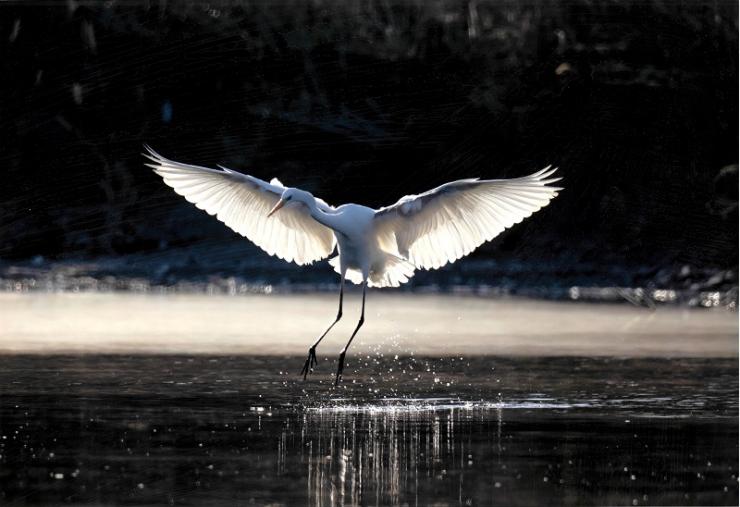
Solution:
(227, 269)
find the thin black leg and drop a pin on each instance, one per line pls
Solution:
(359, 325)
(311, 361)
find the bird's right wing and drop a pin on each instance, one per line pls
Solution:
(242, 202)
(450, 221)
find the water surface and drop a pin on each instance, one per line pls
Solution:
(216, 430)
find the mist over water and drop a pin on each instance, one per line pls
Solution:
(208, 430)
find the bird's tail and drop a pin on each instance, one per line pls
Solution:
(394, 272)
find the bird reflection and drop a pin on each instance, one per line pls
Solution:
(394, 456)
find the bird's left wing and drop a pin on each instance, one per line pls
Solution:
(242, 202)
(450, 221)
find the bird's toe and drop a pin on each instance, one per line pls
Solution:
(311, 361)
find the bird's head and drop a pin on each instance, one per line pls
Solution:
(290, 195)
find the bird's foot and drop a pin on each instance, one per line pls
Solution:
(310, 363)
(340, 368)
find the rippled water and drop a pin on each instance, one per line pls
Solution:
(196, 430)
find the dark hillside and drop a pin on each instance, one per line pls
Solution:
(364, 102)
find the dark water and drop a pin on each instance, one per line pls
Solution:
(179, 430)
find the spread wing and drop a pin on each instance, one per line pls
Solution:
(242, 202)
(449, 222)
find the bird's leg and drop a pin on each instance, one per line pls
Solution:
(359, 325)
(311, 360)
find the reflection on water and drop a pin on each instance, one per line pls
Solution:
(178, 430)
(384, 456)
(509, 454)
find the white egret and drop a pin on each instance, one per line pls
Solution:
(376, 248)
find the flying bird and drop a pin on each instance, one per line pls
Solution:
(375, 247)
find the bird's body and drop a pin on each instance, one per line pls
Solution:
(376, 248)
(357, 247)
(359, 251)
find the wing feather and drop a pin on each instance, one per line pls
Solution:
(242, 202)
(450, 221)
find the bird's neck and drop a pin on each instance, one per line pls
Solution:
(321, 216)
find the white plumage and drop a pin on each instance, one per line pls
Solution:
(242, 202)
(379, 248)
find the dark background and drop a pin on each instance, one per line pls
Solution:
(635, 101)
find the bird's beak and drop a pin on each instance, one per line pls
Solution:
(279, 205)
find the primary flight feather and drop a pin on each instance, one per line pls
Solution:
(376, 248)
